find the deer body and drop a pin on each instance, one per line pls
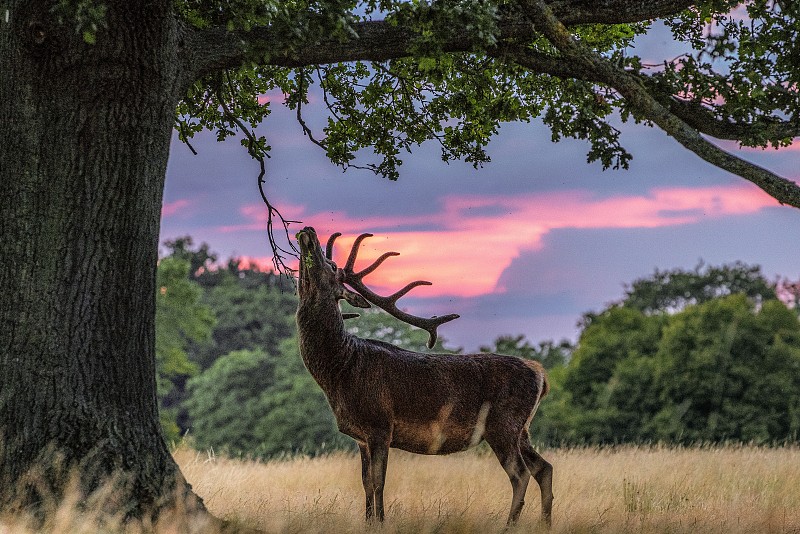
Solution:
(384, 396)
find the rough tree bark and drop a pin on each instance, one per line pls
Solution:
(83, 154)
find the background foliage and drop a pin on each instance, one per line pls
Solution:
(699, 356)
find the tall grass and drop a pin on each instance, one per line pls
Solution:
(626, 489)
(729, 489)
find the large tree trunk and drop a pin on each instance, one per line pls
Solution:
(83, 151)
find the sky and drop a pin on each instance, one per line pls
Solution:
(524, 245)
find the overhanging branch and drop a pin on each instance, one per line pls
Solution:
(216, 49)
(213, 49)
(694, 114)
(574, 12)
(639, 98)
(702, 119)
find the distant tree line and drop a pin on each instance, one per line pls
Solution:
(706, 355)
(703, 356)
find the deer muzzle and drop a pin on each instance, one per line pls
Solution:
(312, 257)
(306, 238)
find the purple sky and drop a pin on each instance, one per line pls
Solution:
(524, 245)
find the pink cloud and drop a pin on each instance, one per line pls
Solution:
(279, 97)
(733, 146)
(262, 264)
(276, 95)
(477, 237)
(256, 214)
(171, 208)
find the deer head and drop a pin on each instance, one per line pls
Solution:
(328, 277)
(320, 279)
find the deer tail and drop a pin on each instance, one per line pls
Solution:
(542, 385)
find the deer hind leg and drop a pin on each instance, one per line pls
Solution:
(542, 472)
(513, 463)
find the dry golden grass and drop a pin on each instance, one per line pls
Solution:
(626, 489)
(615, 490)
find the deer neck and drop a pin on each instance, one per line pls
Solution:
(323, 340)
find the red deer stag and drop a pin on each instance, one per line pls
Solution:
(384, 396)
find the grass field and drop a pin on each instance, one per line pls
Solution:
(615, 490)
(627, 489)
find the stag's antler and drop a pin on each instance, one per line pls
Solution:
(388, 303)
(329, 246)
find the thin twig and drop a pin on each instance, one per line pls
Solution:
(322, 143)
(402, 86)
(306, 130)
(182, 128)
(278, 252)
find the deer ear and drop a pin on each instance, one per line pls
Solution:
(354, 299)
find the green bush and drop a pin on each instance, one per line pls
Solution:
(250, 403)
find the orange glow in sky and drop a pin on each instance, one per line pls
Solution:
(472, 239)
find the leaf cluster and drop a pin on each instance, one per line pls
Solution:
(435, 23)
(254, 404)
(457, 101)
(219, 103)
(379, 111)
(744, 68)
(297, 22)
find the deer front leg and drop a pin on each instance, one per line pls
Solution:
(378, 452)
(366, 480)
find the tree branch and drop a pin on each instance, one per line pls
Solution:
(696, 115)
(214, 49)
(573, 12)
(703, 120)
(640, 99)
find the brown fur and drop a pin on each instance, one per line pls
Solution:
(385, 396)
